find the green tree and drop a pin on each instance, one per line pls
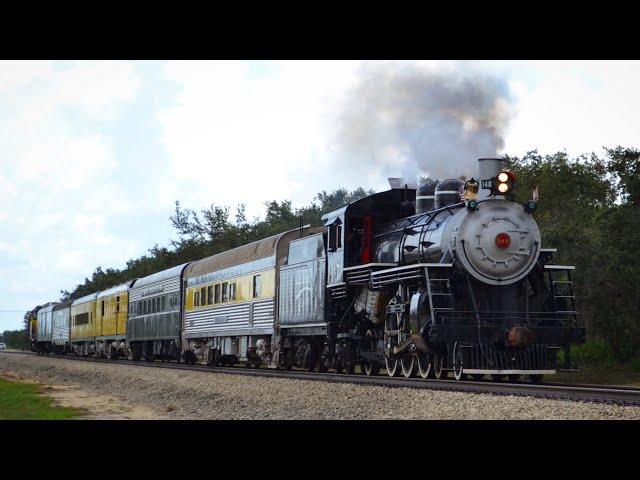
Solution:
(588, 209)
(211, 231)
(18, 339)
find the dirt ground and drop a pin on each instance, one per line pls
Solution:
(94, 406)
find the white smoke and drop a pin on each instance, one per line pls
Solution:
(413, 120)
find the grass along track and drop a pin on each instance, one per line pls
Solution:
(561, 391)
(25, 401)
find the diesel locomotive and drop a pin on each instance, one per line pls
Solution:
(447, 278)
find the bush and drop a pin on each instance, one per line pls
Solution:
(594, 353)
(635, 364)
(18, 339)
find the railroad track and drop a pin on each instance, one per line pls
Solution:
(629, 396)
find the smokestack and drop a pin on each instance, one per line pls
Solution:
(396, 182)
(399, 182)
(487, 169)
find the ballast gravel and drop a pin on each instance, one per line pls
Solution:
(180, 394)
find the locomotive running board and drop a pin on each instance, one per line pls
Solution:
(474, 371)
(405, 273)
(359, 274)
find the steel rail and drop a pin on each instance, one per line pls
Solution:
(620, 395)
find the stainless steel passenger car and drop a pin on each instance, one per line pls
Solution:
(44, 328)
(231, 303)
(60, 333)
(155, 312)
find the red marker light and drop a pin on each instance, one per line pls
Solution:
(503, 240)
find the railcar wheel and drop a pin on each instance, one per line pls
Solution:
(513, 378)
(477, 376)
(288, 355)
(348, 359)
(310, 357)
(438, 367)
(391, 340)
(497, 377)
(393, 366)
(458, 362)
(350, 368)
(425, 365)
(371, 368)
(408, 365)
(536, 378)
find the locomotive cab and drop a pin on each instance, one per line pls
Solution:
(350, 229)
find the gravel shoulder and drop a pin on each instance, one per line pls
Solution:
(177, 394)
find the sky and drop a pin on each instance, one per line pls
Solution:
(93, 154)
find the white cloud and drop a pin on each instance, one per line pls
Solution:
(236, 137)
(19, 73)
(576, 106)
(57, 187)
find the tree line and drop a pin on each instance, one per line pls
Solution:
(588, 208)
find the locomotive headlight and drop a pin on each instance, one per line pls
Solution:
(503, 183)
(503, 177)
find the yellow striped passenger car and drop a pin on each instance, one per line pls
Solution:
(83, 325)
(231, 300)
(112, 310)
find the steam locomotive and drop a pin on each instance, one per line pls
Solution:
(450, 277)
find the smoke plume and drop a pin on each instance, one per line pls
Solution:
(411, 120)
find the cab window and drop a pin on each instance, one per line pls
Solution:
(335, 235)
(257, 286)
